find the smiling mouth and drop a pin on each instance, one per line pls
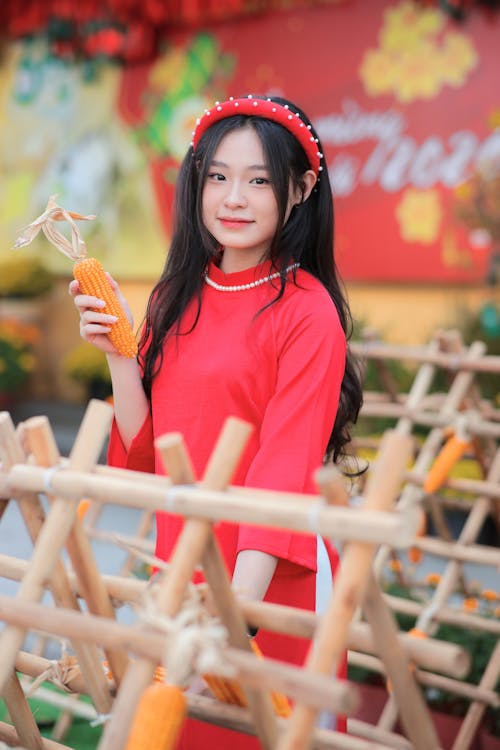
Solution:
(236, 223)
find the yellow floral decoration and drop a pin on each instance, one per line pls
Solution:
(419, 215)
(416, 55)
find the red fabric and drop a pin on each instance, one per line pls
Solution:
(281, 371)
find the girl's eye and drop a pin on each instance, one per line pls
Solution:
(215, 176)
(260, 181)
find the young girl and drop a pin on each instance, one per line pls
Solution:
(248, 319)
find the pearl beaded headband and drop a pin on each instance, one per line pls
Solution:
(269, 110)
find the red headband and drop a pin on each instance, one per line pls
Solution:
(269, 110)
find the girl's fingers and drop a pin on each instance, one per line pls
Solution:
(84, 301)
(91, 329)
(90, 316)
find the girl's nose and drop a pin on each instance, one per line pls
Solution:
(234, 196)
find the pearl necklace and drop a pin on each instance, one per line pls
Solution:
(250, 285)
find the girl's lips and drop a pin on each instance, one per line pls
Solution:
(234, 223)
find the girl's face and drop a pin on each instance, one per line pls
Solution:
(238, 202)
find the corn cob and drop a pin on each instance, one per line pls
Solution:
(450, 453)
(93, 281)
(83, 507)
(158, 719)
(88, 271)
(229, 691)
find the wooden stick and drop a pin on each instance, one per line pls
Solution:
(469, 726)
(428, 653)
(273, 509)
(218, 474)
(472, 486)
(9, 735)
(475, 553)
(33, 665)
(463, 689)
(238, 719)
(444, 614)
(414, 713)
(479, 427)
(186, 555)
(51, 538)
(44, 449)
(454, 362)
(411, 494)
(383, 485)
(150, 645)
(33, 516)
(20, 713)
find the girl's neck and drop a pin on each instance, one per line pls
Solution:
(234, 262)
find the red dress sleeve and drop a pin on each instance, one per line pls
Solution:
(140, 456)
(297, 424)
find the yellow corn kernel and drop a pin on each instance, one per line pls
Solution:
(229, 691)
(158, 719)
(93, 281)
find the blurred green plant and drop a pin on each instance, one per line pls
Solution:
(24, 277)
(17, 359)
(88, 367)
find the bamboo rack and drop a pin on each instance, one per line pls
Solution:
(383, 521)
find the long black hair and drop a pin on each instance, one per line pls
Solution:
(307, 237)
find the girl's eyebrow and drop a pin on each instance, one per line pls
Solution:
(259, 167)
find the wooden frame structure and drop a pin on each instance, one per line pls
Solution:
(358, 616)
(31, 466)
(438, 413)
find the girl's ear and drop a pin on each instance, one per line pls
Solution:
(308, 180)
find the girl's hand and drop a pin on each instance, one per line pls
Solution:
(94, 324)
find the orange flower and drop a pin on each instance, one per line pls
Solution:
(490, 595)
(395, 566)
(415, 555)
(470, 604)
(496, 612)
(432, 579)
(417, 633)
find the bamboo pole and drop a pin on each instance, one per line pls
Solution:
(414, 714)
(150, 645)
(143, 529)
(238, 719)
(49, 541)
(429, 679)
(33, 665)
(444, 614)
(20, 713)
(473, 553)
(455, 362)
(186, 555)
(411, 494)
(9, 735)
(428, 653)
(125, 590)
(382, 487)
(478, 426)
(218, 474)
(274, 509)
(44, 449)
(16, 703)
(466, 486)
(472, 719)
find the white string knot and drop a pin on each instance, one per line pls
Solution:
(48, 474)
(60, 673)
(100, 719)
(195, 640)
